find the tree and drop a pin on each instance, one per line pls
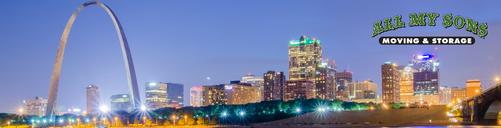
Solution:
(180, 121)
(148, 122)
(136, 121)
(167, 123)
(190, 121)
(119, 122)
(200, 120)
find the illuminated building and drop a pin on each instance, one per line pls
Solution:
(458, 94)
(369, 94)
(239, 94)
(342, 80)
(444, 95)
(356, 90)
(257, 83)
(156, 95)
(406, 84)
(304, 56)
(373, 100)
(426, 99)
(342, 95)
(196, 94)
(273, 85)
(325, 86)
(35, 107)
(296, 89)
(390, 76)
(175, 95)
(93, 99)
(213, 95)
(473, 88)
(121, 102)
(426, 76)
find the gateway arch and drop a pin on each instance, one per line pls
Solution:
(129, 66)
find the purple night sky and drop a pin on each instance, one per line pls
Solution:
(187, 41)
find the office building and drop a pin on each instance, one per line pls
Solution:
(213, 95)
(296, 89)
(444, 95)
(458, 94)
(257, 83)
(93, 101)
(473, 88)
(239, 94)
(274, 85)
(342, 80)
(156, 95)
(304, 56)
(342, 95)
(35, 107)
(426, 76)
(356, 90)
(325, 82)
(121, 102)
(175, 95)
(406, 84)
(390, 76)
(425, 99)
(196, 95)
(369, 94)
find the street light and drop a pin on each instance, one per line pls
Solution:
(298, 109)
(8, 123)
(143, 108)
(185, 121)
(174, 118)
(116, 121)
(104, 119)
(104, 108)
(224, 114)
(242, 113)
(94, 121)
(144, 119)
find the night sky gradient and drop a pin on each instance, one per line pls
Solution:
(188, 41)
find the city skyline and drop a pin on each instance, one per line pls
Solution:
(156, 42)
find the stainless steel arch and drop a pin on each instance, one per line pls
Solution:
(129, 66)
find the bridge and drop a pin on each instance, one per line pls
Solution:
(484, 108)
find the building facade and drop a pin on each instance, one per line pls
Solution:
(121, 102)
(175, 95)
(425, 99)
(274, 85)
(342, 80)
(356, 90)
(325, 83)
(444, 95)
(304, 56)
(296, 89)
(406, 84)
(258, 84)
(156, 95)
(35, 107)
(239, 94)
(391, 82)
(213, 95)
(473, 88)
(426, 76)
(93, 99)
(196, 97)
(458, 94)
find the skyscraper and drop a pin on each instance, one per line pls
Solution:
(175, 95)
(296, 89)
(390, 76)
(406, 84)
(426, 76)
(274, 85)
(213, 95)
(444, 95)
(35, 107)
(473, 88)
(92, 99)
(239, 94)
(121, 102)
(257, 83)
(196, 94)
(358, 89)
(156, 95)
(325, 86)
(342, 80)
(304, 56)
(458, 94)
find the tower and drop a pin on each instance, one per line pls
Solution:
(390, 76)
(304, 56)
(92, 99)
(274, 85)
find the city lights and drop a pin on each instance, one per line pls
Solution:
(298, 110)
(104, 108)
(224, 113)
(242, 113)
(143, 108)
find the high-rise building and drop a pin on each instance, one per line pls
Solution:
(473, 88)
(369, 94)
(175, 95)
(304, 56)
(196, 97)
(458, 94)
(426, 76)
(342, 95)
(296, 89)
(342, 80)
(357, 89)
(274, 85)
(406, 84)
(257, 83)
(156, 95)
(92, 99)
(239, 94)
(390, 76)
(213, 95)
(35, 107)
(121, 102)
(325, 83)
(444, 95)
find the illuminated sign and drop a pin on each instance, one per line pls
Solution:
(407, 69)
(153, 84)
(424, 57)
(229, 87)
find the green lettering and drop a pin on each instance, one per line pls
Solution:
(388, 25)
(471, 25)
(483, 30)
(398, 22)
(461, 24)
(417, 21)
(377, 29)
(447, 20)
(432, 17)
